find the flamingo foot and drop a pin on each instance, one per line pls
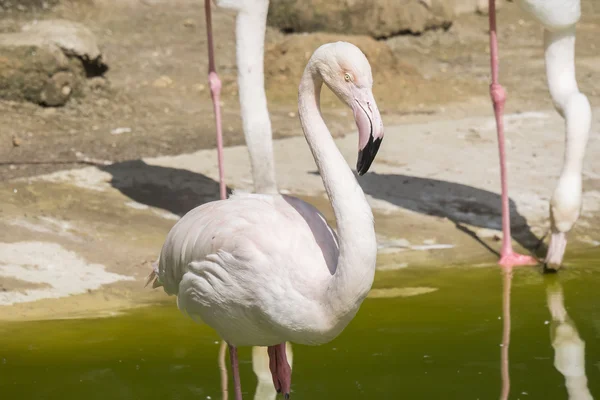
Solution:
(511, 259)
(280, 369)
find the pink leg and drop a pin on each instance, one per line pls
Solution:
(215, 94)
(280, 369)
(237, 387)
(507, 256)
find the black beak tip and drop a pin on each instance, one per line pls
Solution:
(367, 155)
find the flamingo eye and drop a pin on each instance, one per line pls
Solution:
(347, 77)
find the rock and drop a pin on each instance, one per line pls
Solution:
(28, 73)
(189, 23)
(57, 89)
(47, 62)
(376, 18)
(470, 6)
(97, 83)
(27, 5)
(163, 82)
(74, 39)
(285, 61)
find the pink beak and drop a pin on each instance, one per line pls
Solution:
(370, 128)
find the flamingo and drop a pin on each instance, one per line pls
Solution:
(251, 25)
(559, 18)
(264, 269)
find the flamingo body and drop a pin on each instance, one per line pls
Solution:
(553, 14)
(219, 262)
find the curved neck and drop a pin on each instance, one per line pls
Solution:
(355, 270)
(569, 102)
(250, 42)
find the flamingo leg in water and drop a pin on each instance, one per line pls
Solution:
(237, 387)
(508, 257)
(215, 93)
(280, 369)
(223, 369)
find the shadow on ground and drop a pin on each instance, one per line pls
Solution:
(180, 190)
(461, 204)
(172, 189)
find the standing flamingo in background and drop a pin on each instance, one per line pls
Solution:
(266, 269)
(559, 18)
(251, 25)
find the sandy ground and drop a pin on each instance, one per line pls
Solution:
(82, 238)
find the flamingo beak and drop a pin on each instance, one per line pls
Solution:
(370, 128)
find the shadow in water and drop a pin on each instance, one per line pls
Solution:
(461, 204)
(172, 189)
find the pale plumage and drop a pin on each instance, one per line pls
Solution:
(250, 28)
(240, 256)
(266, 269)
(559, 18)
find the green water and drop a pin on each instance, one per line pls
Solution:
(444, 344)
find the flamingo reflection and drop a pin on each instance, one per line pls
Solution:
(569, 348)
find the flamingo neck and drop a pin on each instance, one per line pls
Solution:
(575, 108)
(355, 270)
(250, 40)
(570, 103)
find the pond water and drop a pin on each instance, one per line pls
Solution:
(443, 336)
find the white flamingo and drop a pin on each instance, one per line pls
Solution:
(266, 269)
(559, 18)
(251, 25)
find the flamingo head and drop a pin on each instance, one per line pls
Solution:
(346, 71)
